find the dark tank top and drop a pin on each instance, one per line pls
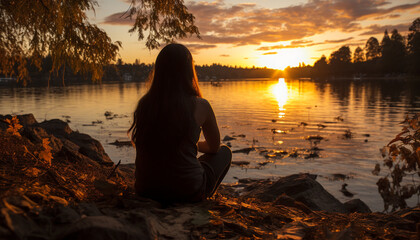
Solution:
(179, 178)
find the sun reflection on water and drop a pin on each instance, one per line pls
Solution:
(281, 94)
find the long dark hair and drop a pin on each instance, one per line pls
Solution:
(165, 114)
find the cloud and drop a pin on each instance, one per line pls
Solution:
(297, 42)
(303, 43)
(120, 18)
(269, 53)
(339, 40)
(390, 16)
(248, 23)
(378, 29)
(197, 47)
(224, 55)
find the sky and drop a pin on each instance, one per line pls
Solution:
(273, 34)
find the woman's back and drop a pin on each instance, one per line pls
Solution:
(166, 129)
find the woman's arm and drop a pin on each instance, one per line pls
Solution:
(210, 130)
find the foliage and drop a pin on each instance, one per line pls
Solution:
(395, 57)
(32, 30)
(413, 46)
(358, 55)
(165, 21)
(402, 157)
(342, 55)
(393, 52)
(372, 48)
(321, 67)
(46, 154)
(340, 60)
(14, 126)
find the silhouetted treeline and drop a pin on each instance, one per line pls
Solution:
(394, 56)
(137, 72)
(217, 71)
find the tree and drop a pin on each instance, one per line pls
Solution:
(340, 61)
(30, 30)
(372, 48)
(358, 55)
(321, 67)
(393, 52)
(413, 47)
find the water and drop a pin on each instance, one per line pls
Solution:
(254, 108)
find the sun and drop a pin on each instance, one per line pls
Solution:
(284, 58)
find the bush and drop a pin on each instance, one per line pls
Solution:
(402, 158)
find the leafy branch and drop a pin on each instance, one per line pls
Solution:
(402, 158)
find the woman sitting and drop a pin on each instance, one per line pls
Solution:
(166, 130)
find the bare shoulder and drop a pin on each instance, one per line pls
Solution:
(202, 110)
(202, 103)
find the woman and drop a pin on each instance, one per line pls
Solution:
(166, 129)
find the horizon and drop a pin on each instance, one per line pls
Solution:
(234, 32)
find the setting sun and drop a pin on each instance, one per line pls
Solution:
(283, 58)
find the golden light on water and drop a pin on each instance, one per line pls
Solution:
(281, 94)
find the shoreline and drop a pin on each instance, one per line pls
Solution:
(76, 192)
(314, 79)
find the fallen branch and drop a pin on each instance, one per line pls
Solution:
(113, 170)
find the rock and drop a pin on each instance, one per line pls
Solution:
(122, 143)
(35, 134)
(88, 209)
(27, 119)
(86, 145)
(314, 138)
(21, 226)
(287, 201)
(228, 138)
(357, 205)
(65, 215)
(102, 227)
(300, 187)
(240, 163)
(5, 233)
(239, 135)
(106, 187)
(90, 147)
(247, 180)
(56, 127)
(244, 150)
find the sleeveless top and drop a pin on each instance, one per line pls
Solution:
(180, 178)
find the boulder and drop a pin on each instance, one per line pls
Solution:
(301, 187)
(56, 127)
(35, 134)
(90, 147)
(357, 205)
(102, 227)
(86, 145)
(88, 209)
(65, 215)
(27, 119)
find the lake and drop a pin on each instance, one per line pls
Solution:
(275, 116)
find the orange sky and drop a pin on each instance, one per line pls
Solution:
(275, 34)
